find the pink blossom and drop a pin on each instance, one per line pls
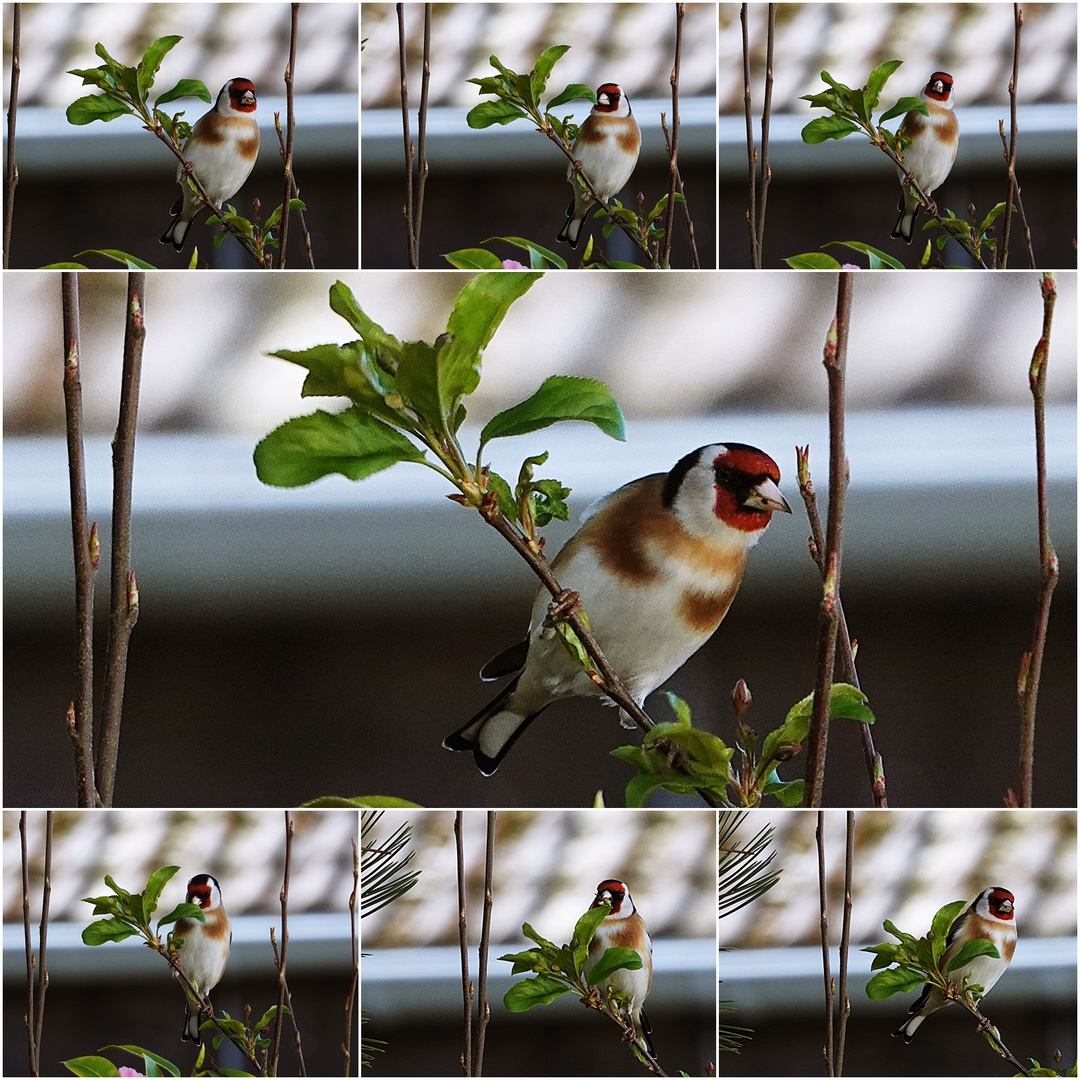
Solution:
(125, 1071)
(513, 264)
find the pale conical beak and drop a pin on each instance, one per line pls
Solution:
(767, 496)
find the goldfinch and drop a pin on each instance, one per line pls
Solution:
(656, 565)
(222, 149)
(205, 950)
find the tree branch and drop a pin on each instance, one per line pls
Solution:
(289, 182)
(673, 163)
(12, 180)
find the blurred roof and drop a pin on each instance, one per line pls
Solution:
(667, 345)
(907, 864)
(547, 866)
(973, 42)
(220, 42)
(631, 44)
(243, 849)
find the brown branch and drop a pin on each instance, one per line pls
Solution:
(695, 262)
(289, 182)
(846, 656)
(483, 1010)
(1031, 663)
(828, 615)
(673, 165)
(823, 907)
(463, 940)
(290, 830)
(85, 548)
(421, 134)
(751, 151)
(350, 1000)
(13, 99)
(31, 1012)
(845, 940)
(409, 203)
(124, 593)
(1013, 188)
(766, 113)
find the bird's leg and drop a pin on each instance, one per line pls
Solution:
(563, 605)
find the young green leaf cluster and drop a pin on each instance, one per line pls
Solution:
(915, 961)
(685, 760)
(560, 969)
(125, 91)
(130, 913)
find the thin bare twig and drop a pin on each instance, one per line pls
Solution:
(695, 262)
(31, 1045)
(673, 163)
(751, 150)
(289, 182)
(421, 134)
(483, 1010)
(84, 542)
(290, 830)
(13, 100)
(766, 113)
(463, 939)
(1012, 188)
(828, 615)
(1031, 663)
(823, 906)
(350, 1000)
(874, 765)
(845, 939)
(124, 594)
(409, 204)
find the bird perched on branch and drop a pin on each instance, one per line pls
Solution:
(623, 926)
(607, 147)
(990, 916)
(205, 950)
(656, 566)
(222, 149)
(930, 155)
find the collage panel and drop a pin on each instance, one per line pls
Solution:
(992, 890)
(502, 101)
(314, 581)
(135, 918)
(112, 99)
(837, 104)
(568, 890)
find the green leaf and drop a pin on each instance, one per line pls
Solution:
(122, 257)
(148, 1056)
(904, 106)
(813, 260)
(560, 397)
(614, 959)
(538, 255)
(787, 794)
(98, 933)
(185, 88)
(157, 882)
(388, 802)
(679, 708)
(474, 259)
(907, 939)
(940, 926)
(494, 112)
(548, 58)
(847, 702)
(532, 935)
(971, 949)
(151, 62)
(878, 78)
(827, 127)
(878, 258)
(86, 110)
(574, 92)
(182, 911)
(377, 340)
(541, 990)
(893, 981)
(584, 931)
(529, 960)
(91, 1065)
(352, 443)
(884, 954)
(478, 312)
